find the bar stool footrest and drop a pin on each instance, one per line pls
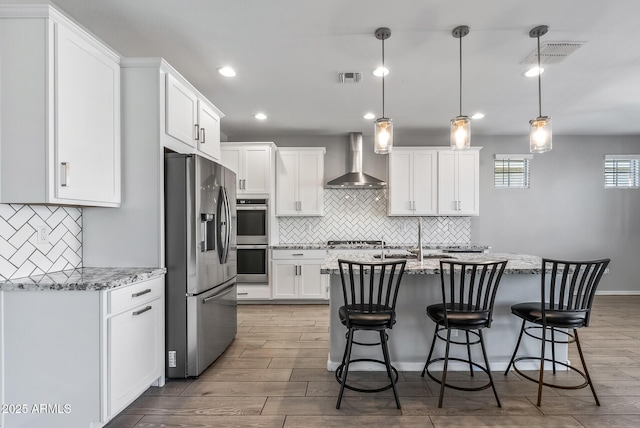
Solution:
(353, 388)
(551, 385)
(459, 388)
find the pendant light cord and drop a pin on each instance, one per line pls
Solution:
(383, 73)
(539, 82)
(460, 76)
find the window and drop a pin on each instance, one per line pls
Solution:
(511, 171)
(621, 171)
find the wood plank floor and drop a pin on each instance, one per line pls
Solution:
(274, 375)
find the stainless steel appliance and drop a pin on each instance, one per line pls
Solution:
(253, 221)
(200, 248)
(253, 239)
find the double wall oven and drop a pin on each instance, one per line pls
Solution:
(253, 240)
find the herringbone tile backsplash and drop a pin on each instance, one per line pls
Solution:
(362, 215)
(20, 253)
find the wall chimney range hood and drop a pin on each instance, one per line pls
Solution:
(355, 179)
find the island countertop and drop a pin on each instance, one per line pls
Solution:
(82, 279)
(516, 263)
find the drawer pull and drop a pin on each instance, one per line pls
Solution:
(141, 293)
(142, 311)
(298, 254)
(243, 294)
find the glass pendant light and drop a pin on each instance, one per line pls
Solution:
(540, 130)
(383, 134)
(460, 125)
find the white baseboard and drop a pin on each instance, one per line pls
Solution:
(499, 366)
(618, 293)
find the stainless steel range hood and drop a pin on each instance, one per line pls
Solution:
(355, 179)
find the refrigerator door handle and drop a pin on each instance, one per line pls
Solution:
(227, 207)
(226, 290)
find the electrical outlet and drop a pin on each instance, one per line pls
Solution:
(450, 227)
(43, 235)
(172, 358)
(454, 333)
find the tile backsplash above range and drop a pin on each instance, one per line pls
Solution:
(356, 214)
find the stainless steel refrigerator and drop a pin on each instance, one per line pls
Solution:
(200, 249)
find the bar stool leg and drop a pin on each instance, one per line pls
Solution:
(486, 364)
(515, 351)
(433, 344)
(584, 365)
(345, 367)
(469, 353)
(444, 369)
(553, 349)
(387, 363)
(540, 382)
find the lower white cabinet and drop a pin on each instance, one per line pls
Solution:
(84, 355)
(254, 292)
(296, 274)
(135, 342)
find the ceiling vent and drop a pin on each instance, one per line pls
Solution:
(552, 52)
(349, 77)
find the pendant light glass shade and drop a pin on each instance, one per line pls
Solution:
(460, 133)
(460, 125)
(383, 131)
(383, 140)
(540, 136)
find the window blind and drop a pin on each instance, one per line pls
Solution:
(511, 173)
(621, 172)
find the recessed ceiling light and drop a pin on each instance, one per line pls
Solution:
(380, 71)
(227, 71)
(534, 71)
(477, 116)
(260, 116)
(369, 116)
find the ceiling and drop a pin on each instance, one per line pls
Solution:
(288, 54)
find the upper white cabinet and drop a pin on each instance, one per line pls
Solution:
(458, 182)
(134, 234)
(253, 164)
(300, 181)
(190, 119)
(413, 182)
(426, 181)
(59, 111)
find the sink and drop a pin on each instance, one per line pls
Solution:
(414, 256)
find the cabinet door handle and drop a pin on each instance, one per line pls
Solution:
(142, 311)
(203, 136)
(197, 132)
(64, 174)
(141, 293)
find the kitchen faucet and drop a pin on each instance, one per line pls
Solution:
(420, 254)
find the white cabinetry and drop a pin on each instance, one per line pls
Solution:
(296, 274)
(94, 351)
(413, 182)
(253, 164)
(458, 182)
(190, 119)
(300, 181)
(135, 341)
(59, 111)
(134, 234)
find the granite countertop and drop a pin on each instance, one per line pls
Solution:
(517, 263)
(82, 279)
(325, 246)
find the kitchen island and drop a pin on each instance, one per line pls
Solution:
(410, 338)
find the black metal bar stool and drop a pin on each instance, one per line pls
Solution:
(567, 290)
(370, 292)
(468, 294)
